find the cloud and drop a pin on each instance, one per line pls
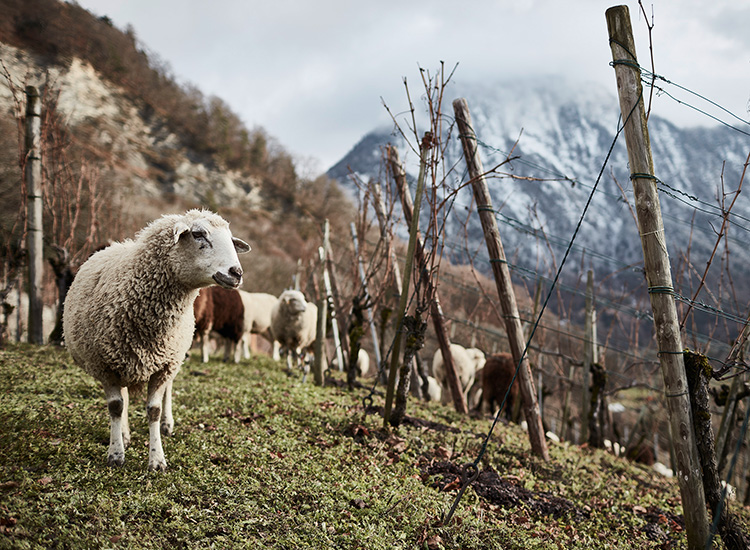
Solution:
(313, 73)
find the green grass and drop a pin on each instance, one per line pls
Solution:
(259, 460)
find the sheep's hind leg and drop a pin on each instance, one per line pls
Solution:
(167, 421)
(156, 389)
(116, 405)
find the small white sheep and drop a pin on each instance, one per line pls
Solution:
(294, 325)
(128, 318)
(466, 362)
(258, 307)
(363, 363)
(434, 391)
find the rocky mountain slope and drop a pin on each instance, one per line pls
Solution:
(563, 132)
(136, 147)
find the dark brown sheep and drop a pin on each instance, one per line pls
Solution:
(496, 376)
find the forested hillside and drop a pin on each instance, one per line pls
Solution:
(123, 141)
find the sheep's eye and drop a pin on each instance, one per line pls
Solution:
(201, 237)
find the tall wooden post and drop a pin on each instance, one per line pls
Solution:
(34, 213)
(502, 278)
(436, 311)
(320, 334)
(336, 303)
(330, 308)
(380, 213)
(658, 274)
(589, 354)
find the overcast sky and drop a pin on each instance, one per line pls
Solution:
(312, 73)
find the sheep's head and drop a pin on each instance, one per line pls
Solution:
(293, 301)
(206, 252)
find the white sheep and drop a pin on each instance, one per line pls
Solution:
(128, 318)
(258, 307)
(363, 363)
(434, 391)
(294, 325)
(466, 362)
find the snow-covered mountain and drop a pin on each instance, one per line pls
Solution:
(564, 132)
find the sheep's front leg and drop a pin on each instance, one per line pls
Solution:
(167, 421)
(299, 360)
(204, 345)
(246, 344)
(116, 405)
(156, 389)
(125, 423)
(288, 354)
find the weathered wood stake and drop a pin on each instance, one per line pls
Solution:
(34, 212)
(319, 362)
(658, 274)
(589, 354)
(502, 278)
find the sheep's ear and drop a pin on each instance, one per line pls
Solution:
(240, 246)
(179, 230)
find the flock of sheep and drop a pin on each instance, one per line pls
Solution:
(134, 308)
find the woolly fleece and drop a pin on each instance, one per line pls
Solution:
(129, 311)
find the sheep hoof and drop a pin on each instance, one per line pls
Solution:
(166, 429)
(116, 460)
(158, 466)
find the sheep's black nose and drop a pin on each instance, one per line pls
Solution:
(236, 272)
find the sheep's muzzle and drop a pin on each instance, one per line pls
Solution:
(232, 279)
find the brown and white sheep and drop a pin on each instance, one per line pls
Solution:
(222, 311)
(128, 317)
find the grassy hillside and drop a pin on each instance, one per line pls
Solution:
(260, 460)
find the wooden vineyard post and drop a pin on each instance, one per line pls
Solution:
(320, 335)
(336, 304)
(502, 278)
(589, 354)
(658, 275)
(33, 171)
(379, 204)
(436, 311)
(331, 307)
